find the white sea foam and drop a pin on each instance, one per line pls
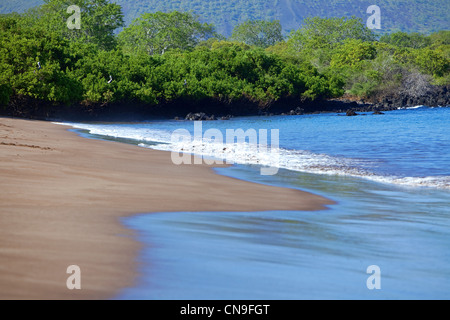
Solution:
(245, 153)
(118, 131)
(415, 107)
(297, 160)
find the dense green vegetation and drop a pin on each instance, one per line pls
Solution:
(164, 58)
(258, 33)
(407, 15)
(155, 33)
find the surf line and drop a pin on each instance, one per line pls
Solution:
(257, 141)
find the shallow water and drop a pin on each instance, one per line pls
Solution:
(301, 255)
(389, 175)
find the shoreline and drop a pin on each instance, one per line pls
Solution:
(213, 109)
(63, 196)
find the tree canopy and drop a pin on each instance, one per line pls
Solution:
(402, 39)
(166, 58)
(99, 20)
(407, 16)
(155, 33)
(327, 33)
(258, 33)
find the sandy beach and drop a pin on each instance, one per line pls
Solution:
(62, 197)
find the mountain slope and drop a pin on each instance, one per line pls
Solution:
(406, 15)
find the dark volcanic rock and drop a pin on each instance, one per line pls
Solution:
(203, 110)
(199, 116)
(296, 112)
(434, 96)
(350, 113)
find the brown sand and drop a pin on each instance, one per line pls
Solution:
(61, 197)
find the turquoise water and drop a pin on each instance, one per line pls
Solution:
(389, 175)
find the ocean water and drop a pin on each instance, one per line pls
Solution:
(390, 177)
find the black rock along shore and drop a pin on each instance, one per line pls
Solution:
(212, 109)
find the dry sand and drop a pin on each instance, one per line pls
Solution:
(62, 197)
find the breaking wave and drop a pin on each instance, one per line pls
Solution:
(251, 154)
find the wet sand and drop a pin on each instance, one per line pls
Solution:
(62, 196)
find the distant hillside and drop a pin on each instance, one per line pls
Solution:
(407, 15)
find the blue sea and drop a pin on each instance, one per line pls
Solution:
(388, 174)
